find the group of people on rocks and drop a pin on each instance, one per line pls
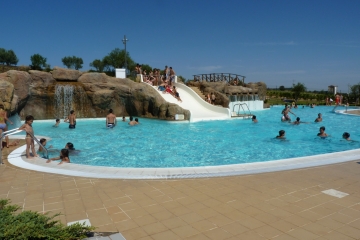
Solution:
(154, 76)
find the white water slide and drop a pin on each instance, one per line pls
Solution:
(199, 109)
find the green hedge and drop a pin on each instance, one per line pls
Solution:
(33, 225)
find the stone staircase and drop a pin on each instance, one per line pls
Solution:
(198, 92)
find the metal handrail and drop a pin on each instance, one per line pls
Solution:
(241, 105)
(14, 131)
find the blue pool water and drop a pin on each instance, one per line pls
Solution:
(156, 143)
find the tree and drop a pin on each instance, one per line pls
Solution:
(2, 56)
(72, 62)
(298, 89)
(11, 58)
(116, 59)
(38, 62)
(8, 57)
(355, 92)
(98, 65)
(78, 62)
(282, 88)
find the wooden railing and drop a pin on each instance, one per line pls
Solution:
(218, 77)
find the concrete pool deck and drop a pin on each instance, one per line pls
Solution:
(291, 204)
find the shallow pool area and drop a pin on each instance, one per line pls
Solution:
(161, 144)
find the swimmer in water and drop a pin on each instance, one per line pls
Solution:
(322, 132)
(64, 156)
(254, 120)
(319, 118)
(346, 136)
(281, 135)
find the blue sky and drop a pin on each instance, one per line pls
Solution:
(278, 42)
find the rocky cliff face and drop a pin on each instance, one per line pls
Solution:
(52, 95)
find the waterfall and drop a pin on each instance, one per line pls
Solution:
(69, 97)
(64, 96)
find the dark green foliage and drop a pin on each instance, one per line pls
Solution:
(98, 65)
(72, 62)
(38, 62)
(116, 59)
(298, 89)
(281, 88)
(8, 57)
(35, 226)
(355, 91)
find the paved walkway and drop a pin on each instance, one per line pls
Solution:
(293, 204)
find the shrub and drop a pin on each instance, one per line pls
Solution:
(33, 225)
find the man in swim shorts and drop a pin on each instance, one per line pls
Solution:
(72, 119)
(110, 119)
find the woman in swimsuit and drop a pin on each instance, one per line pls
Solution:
(3, 119)
(29, 133)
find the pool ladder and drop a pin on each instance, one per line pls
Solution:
(15, 131)
(244, 114)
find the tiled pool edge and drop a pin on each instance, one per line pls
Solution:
(38, 164)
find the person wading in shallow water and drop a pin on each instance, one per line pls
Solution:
(110, 119)
(72, 119)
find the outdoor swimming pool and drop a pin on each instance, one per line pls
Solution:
(156, 143)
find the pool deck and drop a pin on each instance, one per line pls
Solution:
(289, 204)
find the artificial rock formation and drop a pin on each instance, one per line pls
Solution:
(92, 94)
(222, 90)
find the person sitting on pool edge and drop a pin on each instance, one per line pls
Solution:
(319, 118)
(64, 156)
(6, 143)
(254, 120)
(281, 134)
(346, 136)
(322, 132)
(110, 119)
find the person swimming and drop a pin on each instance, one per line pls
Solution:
(322, 132)
(254, 120)
(346, 136)
(71, 148)
(281, 134)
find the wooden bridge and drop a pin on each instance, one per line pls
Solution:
(218, 77)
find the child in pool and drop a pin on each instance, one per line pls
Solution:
(346, 136)
(64, 156)
(57, 122)
(281, 135)
(29, 139)
(322, 132)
